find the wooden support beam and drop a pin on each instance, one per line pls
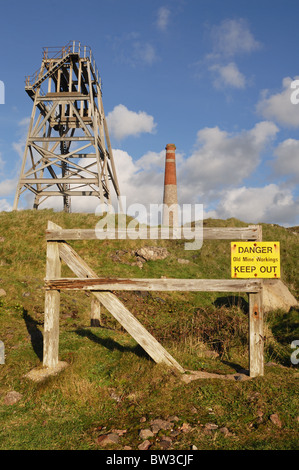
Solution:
(70, 193)
(256, 336)
(95, 312)
(61, 139)
(191, 285)
(52, 306)
(154, 233)
(53, 181)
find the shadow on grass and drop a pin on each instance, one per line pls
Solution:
(36, 338)
(285, 327)
(35, 334)
(110, 344)
(237, 367)
(229, 301)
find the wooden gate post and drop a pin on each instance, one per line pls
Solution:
(95, 313)
(52, 306)
(256, 337)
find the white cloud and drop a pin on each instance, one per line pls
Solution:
(139, 181)
(232, 37)
(143, 52)
(163, 18)
(268, 204)
(152, 160)
(219, 163)
(24, 122)
(228, 75)
(218, 185)
(221, 159)
(212, 175)
(2, 163)
(287, 162)
(156, 160)
(19, 145)
(123, 123)
(8, 186)
(126, 173)
(278, 106)
(5, 205)
(130, 49)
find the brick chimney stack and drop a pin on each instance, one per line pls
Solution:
(170, 198)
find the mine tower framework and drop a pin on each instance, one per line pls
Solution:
(68, 151)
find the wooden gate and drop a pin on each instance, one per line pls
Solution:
(59, 250)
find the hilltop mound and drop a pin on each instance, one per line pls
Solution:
(111, 386)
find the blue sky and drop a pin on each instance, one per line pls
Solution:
(214, 77)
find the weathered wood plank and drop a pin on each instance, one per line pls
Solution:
(230, 233)
(95, 312)
(256, 338)
(70, 192)
(119, 311)
(74, 180)
(55, 139)
(52, 306)
(209, 233)
(195, 285)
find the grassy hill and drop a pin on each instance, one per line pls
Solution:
(111, 386)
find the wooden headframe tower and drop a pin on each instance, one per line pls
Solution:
(67, 151)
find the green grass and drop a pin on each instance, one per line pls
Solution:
(111, 383)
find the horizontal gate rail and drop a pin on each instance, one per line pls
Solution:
(252, 232)
(188, 285)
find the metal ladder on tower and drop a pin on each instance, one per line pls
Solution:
(50, 72)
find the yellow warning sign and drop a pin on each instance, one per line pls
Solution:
(255, 260)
